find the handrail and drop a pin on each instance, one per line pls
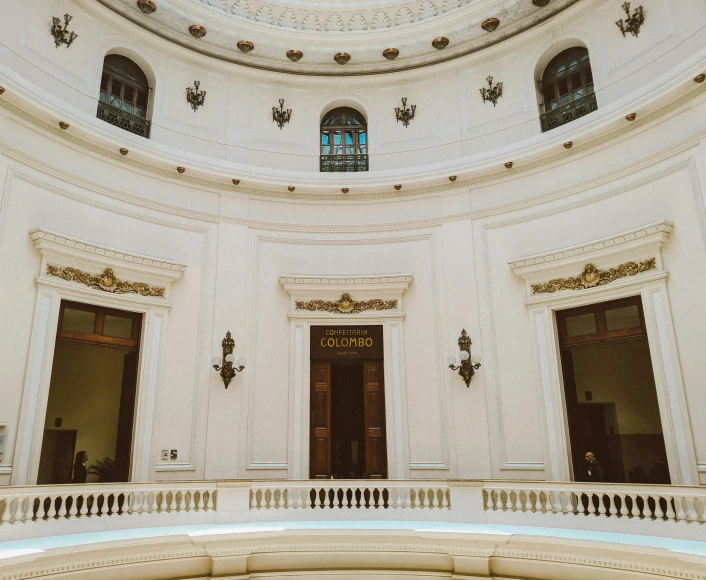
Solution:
(569, 112)
(123, 119)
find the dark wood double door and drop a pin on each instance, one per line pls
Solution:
(347, 421)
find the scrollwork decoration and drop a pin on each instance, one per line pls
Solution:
(107, 281)
(592, 276)
(346, 305)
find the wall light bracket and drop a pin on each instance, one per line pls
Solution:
(633, 22)
(61, 33)
(281, 116)
(194, 96)
(468, 364)
(492, 93)
(228, 370)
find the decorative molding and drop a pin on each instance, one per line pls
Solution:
(592, 276)
(346, 305)
(106, 281)
(291, 280)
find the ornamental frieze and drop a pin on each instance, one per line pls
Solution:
(107, 281)
(346, 305)
(592, 276)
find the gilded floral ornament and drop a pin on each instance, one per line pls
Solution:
(592, 276)
(107, 281)
(346, 305)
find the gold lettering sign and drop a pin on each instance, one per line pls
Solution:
(345, 342)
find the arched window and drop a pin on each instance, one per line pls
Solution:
(567, 88)
(124, 95)
(344, 141)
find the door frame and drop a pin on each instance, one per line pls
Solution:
(62, 250)
(635, 245)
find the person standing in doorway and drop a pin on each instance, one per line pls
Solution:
(594, 471)
(80, 471)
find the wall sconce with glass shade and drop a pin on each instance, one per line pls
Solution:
(469, 364)
(227, 369)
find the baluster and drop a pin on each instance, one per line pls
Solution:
(129, 503)
(635, 511)
(20, 511)
(670, 509)
(62, 506)
(162, 501)
(172, 503)
(590, 506)
(646, 510)
(658, 513)
(402, 498)
(51, 512)
(182, 501)
(555, 499)
(426, 498)
(489, 504)
(601, 504)
(6, 512)
(317, 499)
(612, 510)
(84, 505)
(200, 505)
(253, 499)
(681, 512)
(445, 499)
(307, 497)
(153, 506)
(145, 503)
(192, 504)
(698, 501)
(692, 514)
(623, 505)
(41, 510)
(211, 505)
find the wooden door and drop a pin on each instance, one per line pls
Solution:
(123, 444)
(374, 396)
(64, 454)
(320, 444)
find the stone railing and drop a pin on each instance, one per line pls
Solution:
(34, 511)
(351, 495)
(617, 501)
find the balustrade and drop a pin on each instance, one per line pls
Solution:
(123, 119)
(568, 112)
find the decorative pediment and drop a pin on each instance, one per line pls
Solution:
(349, 295)
(598, 263)
(84, 265)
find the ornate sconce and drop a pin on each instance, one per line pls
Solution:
(468, 364)
(60, 33)
(492, 93)
(281, 117)
(194, 96)
(228, 371)
(405, 114)
(632, 23)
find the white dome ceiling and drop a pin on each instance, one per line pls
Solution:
(322, 28)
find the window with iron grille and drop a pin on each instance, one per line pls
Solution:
(124, 95)
(344, 141)
(567, 88)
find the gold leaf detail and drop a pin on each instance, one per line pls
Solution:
(107, 281)
(592, 276)
(346, 305)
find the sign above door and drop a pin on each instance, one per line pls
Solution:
(346, 342)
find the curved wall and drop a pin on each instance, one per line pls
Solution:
(455, 239)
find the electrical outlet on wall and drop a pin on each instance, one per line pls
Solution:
(165, 454)
(173, 454)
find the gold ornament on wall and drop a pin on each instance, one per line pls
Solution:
(107, 281)
(346, 305)
(592, 276)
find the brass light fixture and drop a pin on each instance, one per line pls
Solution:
(236, 182)
(195, 97)
(632, 23)
(197, 31)
(63, 125)
(540, 3)
(405, 114)
(227, 369)
(2, 89)
(490, 24)
(398, 186)
(61, 33)
(492, 93)
(345, 190)
(452, 178)
(697, 79)
(440, 43)
(508, 165)
(245, 46)
(468, 364)
(281, 117)
(123, 151)
(631, 117)
(390, 53)
(291, 188)
(295, 55)
(568, 145)
(146, 6)
(341, 57)
(181, 169)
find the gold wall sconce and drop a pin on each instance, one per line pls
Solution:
(295, 55)
(492, 93)
(440, 43)
(61, 33)
(341, 57)
(469, 364)
(631, 117)
(490, 24)
(697, 79)
(245, 46)
(228, 370)
(390, 53)
(633, 22)
(63, 125)
(146, 6)
(195, 97)
(281, 117)
(405, 114)
(124, 151)
(197, 31)
(508, 164)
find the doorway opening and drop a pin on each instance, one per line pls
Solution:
(89, 422)
(347, 404)
(610, 394)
